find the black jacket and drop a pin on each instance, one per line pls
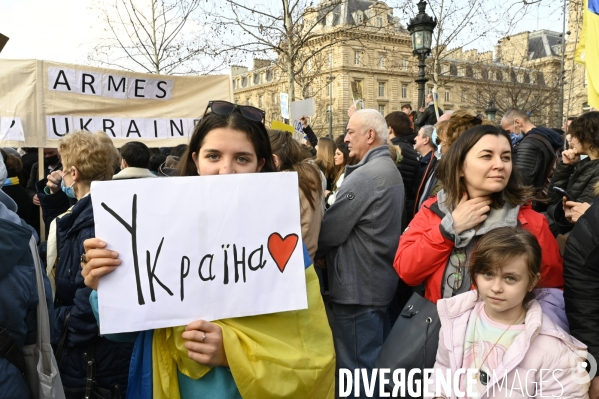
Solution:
(409, 166)
(72, 298)
(428, 116)
(578, 180)
(28, 160)
(581, 279)
(532, 158)
(311, 136)
(20, 197)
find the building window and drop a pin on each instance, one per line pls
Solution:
(261, 102)
(248, 101)
(330, 89)
(274, 98)
(382, 108)
(463, 96)
(447, 96)
(234, 84)
(445, 69)
(381, 60)
(357, 55)
(379, 22)
(404, 91)
(381, 89)
(404, 64)
(330, 60)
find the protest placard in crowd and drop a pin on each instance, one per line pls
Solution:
(208, 247)
(48, 100)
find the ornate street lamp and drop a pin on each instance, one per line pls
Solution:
(491, 111)
(421, 29)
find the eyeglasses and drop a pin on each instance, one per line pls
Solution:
(456, 279)
(227, 108)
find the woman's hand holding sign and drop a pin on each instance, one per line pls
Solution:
(98, 261)
(205, 343)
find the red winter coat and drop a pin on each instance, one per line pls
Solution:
(423, 251)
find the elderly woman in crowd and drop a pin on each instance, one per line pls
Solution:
(89, 364)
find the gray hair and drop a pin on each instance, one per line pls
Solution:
(372, 119)
(427, 131)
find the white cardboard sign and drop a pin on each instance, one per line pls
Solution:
(209, 247)
(303, 108)
(285, 105)
(11, 129)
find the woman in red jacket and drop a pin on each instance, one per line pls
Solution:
(481, 192)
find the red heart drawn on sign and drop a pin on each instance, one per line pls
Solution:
(281, 248)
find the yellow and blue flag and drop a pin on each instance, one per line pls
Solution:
(587, 51)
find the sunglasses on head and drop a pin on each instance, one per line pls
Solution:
(227, 108)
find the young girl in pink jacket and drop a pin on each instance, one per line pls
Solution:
(498, 334)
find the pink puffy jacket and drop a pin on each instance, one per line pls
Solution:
(542, 345)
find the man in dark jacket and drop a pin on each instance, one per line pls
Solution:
(533, 157)
(29, 158)
(399, 132)
(426, 149)
(35, 190)
(428, 116)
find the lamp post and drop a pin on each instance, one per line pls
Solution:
(491, 111)
(421, 29)
(330, 110)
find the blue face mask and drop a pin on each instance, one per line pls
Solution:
(434, 138)
(434, 135)
(69, 191)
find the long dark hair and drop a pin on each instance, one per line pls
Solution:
(256, 133)
(451, 164)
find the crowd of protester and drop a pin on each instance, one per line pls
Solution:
(497, 224)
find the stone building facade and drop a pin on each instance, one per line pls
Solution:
(377, 54)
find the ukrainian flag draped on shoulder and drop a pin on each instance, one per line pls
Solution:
(587, 51)
(282, 355)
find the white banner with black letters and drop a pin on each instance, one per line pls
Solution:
(48, 100)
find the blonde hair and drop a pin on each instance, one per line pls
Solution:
(325, 156)
(290, 159)
(459, 121)
(395, 152)
(92, 154)
(115, 156)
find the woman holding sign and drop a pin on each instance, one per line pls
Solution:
(287, 354)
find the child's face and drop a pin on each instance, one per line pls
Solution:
(503, 289)
(226, 151)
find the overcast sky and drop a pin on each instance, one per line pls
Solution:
(66, 30)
